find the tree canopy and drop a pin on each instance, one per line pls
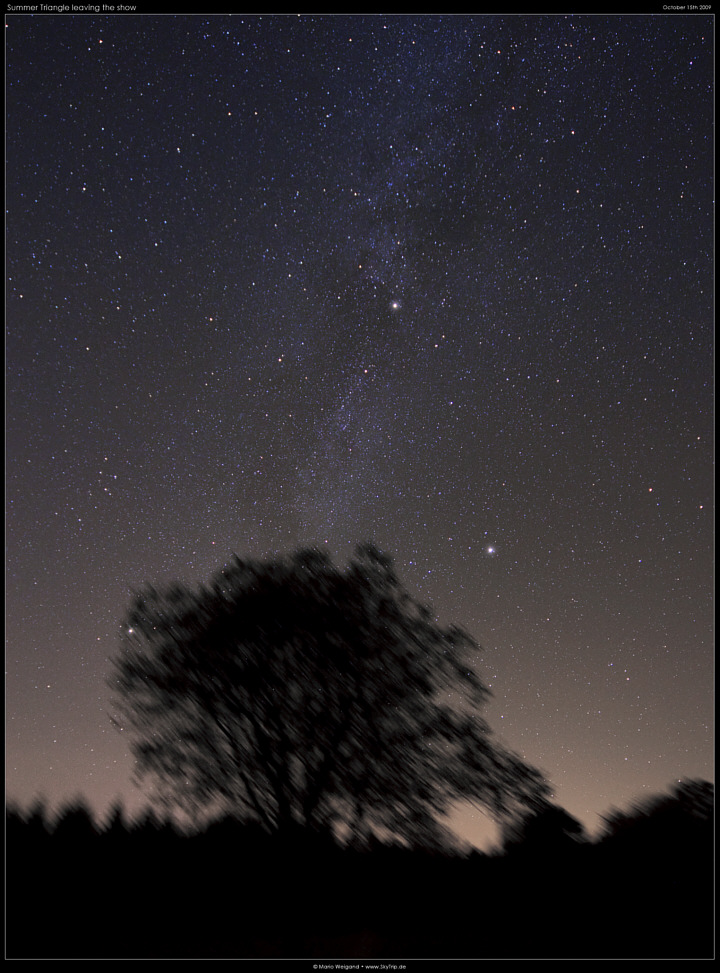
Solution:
(295, 693)
(545, 830)
(686, 813)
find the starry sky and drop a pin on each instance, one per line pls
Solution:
(444, 283)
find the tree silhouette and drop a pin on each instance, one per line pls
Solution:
(657, 864)
(667, 821)
(294, 693)
(74, 822)
(544, 831)
(116, 823)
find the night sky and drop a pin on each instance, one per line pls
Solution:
(443, 283)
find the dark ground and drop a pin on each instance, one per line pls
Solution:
(231, 893)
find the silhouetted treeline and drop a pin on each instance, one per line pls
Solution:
(643, 889)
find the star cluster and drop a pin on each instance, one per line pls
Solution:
(441, 282)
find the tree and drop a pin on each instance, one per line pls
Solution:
(668, 821)
(75, 822)
(545, 831)
(295, 694)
